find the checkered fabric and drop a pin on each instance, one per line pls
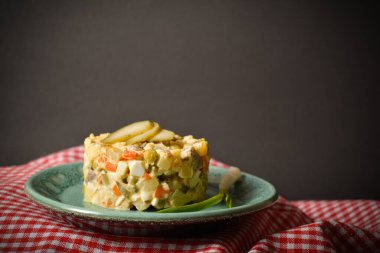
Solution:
(297, 226)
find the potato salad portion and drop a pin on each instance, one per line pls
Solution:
(141, 166)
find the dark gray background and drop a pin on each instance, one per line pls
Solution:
(287, 90)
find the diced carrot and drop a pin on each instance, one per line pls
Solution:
(116, 190)
(111, 167)
(160, 192)
(106, 203)
(132, 155)
(102, 159)
(146, 176)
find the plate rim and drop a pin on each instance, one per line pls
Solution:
(158, 218)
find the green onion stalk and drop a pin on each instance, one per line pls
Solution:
(228, 179)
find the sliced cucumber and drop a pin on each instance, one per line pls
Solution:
(163, 135)
(129, 131)
(145, 135)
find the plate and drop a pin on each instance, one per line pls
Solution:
(59, 190)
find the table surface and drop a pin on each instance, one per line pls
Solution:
(296, 226)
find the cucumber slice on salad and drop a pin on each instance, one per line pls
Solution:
(145, 135)
(129, 131)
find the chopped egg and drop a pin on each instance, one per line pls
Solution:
(122, 169)
(136, 168)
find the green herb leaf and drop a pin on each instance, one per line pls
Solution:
(196, 206)
(228, 200)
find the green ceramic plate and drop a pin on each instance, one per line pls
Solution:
(59, 189)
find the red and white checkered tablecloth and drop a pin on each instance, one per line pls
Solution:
(287, 226)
